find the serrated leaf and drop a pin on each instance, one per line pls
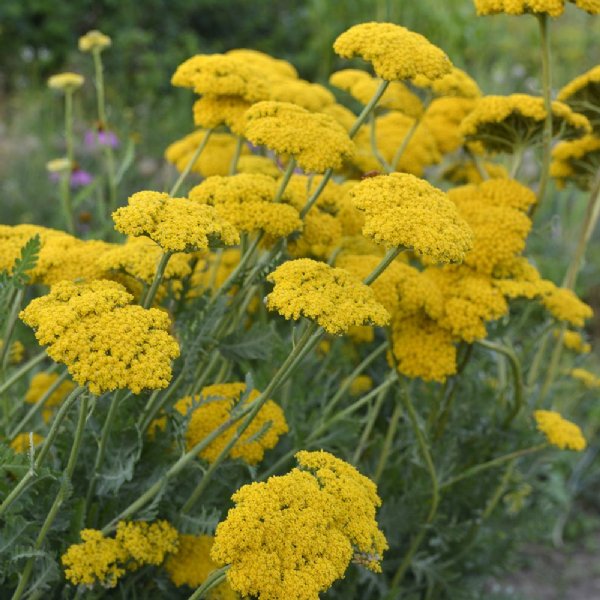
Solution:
(30, 254)
(255, 344)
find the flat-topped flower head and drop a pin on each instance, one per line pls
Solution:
(265, 62)
(215, 404)
(317, 141)
(394, 51)
(559, 432)
(67, 82)
(332, 297)
(311, 96)
(221, 75)
(457, 84)
(361, 86)
(106, 343)
(552, 8)
(573, 340)
(210, 111)
(294, 535)
(94, 40)
(501, 123)
(442, 120)
(402, 210)
(583, 95)
(246, 201)
(577, 161)
(564, 305)
(175, 224)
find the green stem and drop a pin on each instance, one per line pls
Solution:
(552, 369)
(239, 143)
(544, 24)
(387, 167)
(517, 160)
(490, 464)
(213, 580)
(158, 277)
(517, 373)
(390, 255)
(536, 363)
(23, 370)
(10, 327)
(404, 145)
(373, 414)
(310, 338)
(60, 497)
(315, 195)
(366, 111)
(478, 164)
(388, 441)
(66, 178)
(191, 163)
(587, 229)
(435, 489)
(38, 405)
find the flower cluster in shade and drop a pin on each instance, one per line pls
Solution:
(26, 441)
(589, 379)
(332, 297)
(552, 8)
(295, 535)
(582, 94)
(106, 342)
(215, 405)
(175, 224)
(105, 560)
(558, 431)
(573, 340)
(38, 387)
(577, 161)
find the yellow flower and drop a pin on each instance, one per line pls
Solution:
(191, 565)
(586, 377)
(214, 160)
(583, 94)
(260, 165)
(360, 384)
(553, 8)
(246, 201)
(501, 123)
(106, 343)
(210, 111)
(456, 83)
(294, 535)
(265, 62)
(461, 173)
(332, 297)
(577, 160)
(24, 441)
(360, 85)
(394, 51)
(175, 224)
(317, 141)
(321, 235)
(574, 341)
(405, 211)
(147, 543)
(443, 118)
(564, 305)
(67, 82)
(216, 403)
(311, 96)
(94, 40)
(59, 165)
(38, 386)
(559, 432)
(16, 352)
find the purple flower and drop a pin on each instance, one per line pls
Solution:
(80, 178)
(94, 138)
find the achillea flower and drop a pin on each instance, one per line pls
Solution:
(210, 111)
(361, 86)
(360, 385)
(403, 210)
(564, 305)
(175, 224)
(317, 141)
(294, 535)
(221, 75)
(332, 297)
(216, 403)
(214, 160)
(192, 564)
(321, 235)
(422, 348)
(577, 161)
(38, 386)
(463, 173)
(344, 116)
(273, 67)
(457, 83)
(24, 441)
(501, 123)
(442, 120)
(583, 93)
(559, 432)
(259, 165)
(101, 560)
(586, 377)
(311, 96)
(94, 40)
(67, 82)
(246, 201)
(16, 352)
(106, 343)
(553, 8)
(573, 340)
(394, 51)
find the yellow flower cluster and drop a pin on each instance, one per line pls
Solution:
(500, 123)
(294, 535)
(102, 560)
(332, 297)
(404, 211)
(321, 234)
(455, 83)
(246, 201)
(443, 118)
(16, 352)
(317, 141)
(554, 8)
(577, 160)
(573, 340)
(39, 385)
(360, 385)
(23, 442)
(212, 111)
(66, 82)
(394, 51)
(311, 96)
(361, 86)
(586, 377)
(94, 40)
(175, 224)
(461, 173)
(564, 305)
(559, 432)
(216, 403)
(583, 93)
(191, 565)
(105, 342)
